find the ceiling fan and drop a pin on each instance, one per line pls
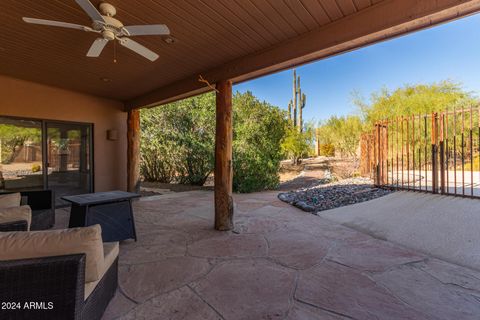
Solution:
(104, 23)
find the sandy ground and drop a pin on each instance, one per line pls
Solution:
(443, 226)
(311, 170)
(292, 177)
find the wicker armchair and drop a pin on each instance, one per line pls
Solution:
(53, 288)
(42, 203)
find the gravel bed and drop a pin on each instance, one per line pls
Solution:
(333, 194)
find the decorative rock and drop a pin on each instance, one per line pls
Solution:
(333, 195)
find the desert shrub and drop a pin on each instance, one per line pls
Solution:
(327, 149)
(258, 131)
(468, 165)
(156, 164)
(297, 144)
(178, 142)
(343, 133)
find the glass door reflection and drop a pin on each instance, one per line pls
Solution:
(68, 159)
(21, 165)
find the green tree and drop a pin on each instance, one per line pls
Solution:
(343, 133)
(258, 129)
(412, 100)
(178, 142)
(12, 137)
(297, 144)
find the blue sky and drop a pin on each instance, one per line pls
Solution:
(449, 51)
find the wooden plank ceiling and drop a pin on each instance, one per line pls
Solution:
(208, 33)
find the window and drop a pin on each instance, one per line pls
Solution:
(21, 165)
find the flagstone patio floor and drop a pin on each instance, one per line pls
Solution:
(279, 263)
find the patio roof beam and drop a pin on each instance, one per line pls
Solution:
(223, 157)
(382, 21)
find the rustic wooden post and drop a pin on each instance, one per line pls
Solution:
(223, 157)
(133, 151)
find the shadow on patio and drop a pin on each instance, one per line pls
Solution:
(280, 263)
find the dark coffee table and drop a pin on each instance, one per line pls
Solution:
(111, 210)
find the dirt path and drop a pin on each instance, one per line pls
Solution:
(311, 175)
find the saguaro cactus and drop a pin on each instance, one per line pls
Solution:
(303, 101)
(290, 111)
(297, 104)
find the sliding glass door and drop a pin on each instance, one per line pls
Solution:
(68, 158)
(41, 154)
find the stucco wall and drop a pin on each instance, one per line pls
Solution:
(27, 99)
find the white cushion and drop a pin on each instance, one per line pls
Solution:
(10, 200)
(16, 214)
(110, 253)
(35, 244)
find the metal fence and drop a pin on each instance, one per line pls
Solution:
(437, 153)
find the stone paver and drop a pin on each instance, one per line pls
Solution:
(415, 287)
(345, 291)
(278, 263)
(179, 304)
(153, 247)
(268, 295)
(119, 306)
(295, 249)
(140, 282)
(302, 311)
(371, 255)
(233, 246)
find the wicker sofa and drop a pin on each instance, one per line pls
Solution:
(42, 203)
(56, 286)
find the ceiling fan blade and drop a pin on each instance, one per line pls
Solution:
(97, 47)
(144, 30)
(90, 9)
(57, 24)
(138, 48)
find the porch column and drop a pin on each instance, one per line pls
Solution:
(223, 157)
(133, 151)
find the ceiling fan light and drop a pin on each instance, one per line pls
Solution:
(108, 35)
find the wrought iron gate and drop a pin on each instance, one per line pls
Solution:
(437, 153)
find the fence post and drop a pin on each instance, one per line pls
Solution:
(377, 154)
(442, 154)
(434, 152)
